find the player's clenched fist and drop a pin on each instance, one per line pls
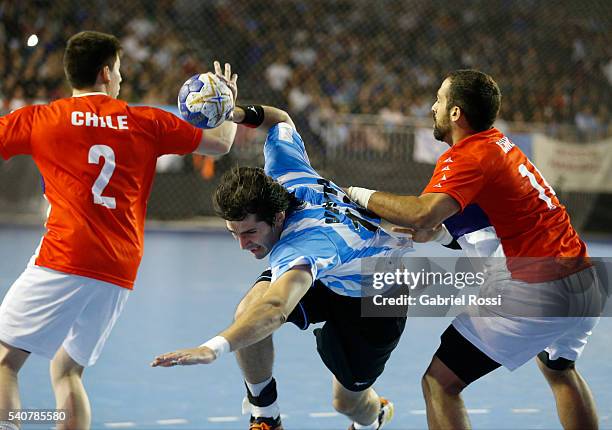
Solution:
(185, 357)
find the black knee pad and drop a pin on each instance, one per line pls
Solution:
(558, 364)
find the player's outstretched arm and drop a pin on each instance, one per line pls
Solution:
(217, 141)
(262, 319)
(256, 116)
(424, 212)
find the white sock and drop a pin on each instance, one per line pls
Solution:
(269, 411)
(256, 389)
(372, 426)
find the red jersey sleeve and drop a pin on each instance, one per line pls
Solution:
(16, 132)
(458, 175)
(175, 136)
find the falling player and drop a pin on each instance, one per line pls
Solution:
(316, 239)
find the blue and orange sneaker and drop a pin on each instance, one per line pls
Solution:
(265, 423)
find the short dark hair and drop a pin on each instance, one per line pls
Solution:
(478, 96)
(86, 54)
(248, 190)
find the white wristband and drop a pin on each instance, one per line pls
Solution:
(360, 196)
(218, 344)
(443, 236)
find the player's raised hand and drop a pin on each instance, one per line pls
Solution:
(226, 76)
(185, 357)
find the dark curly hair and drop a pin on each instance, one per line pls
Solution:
(248, 190)
(478, 96)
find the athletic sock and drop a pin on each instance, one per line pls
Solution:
(262, 398)
(256, 389)
(372, 426)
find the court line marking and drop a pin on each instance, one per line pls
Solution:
(478, 411)
(323, 414)
(418, 412)
(172, 421)
(222, 419)
(120, 425)
(525, 410)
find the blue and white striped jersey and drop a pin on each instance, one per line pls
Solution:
(328, 232)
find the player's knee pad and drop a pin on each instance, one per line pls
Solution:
(559, 364)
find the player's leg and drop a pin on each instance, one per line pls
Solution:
(442, 392)
(575, 403)
(101, 306)
(70, 394)
(362, 407)
(11, 361)
(455, 365)
(256, 362)
(356, 350)
(35, 316)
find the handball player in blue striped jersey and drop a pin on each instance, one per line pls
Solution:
(316, 240)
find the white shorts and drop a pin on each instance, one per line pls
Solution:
(45, 309)
(513, 340)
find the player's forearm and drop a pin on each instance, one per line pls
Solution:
(270, 116)
(408, 211)
(255, 324)
(217, 141)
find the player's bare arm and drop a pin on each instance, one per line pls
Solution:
(424, 212)
(268, 115)
(257, 323)
(217, 141)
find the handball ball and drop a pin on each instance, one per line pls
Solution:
(205, 101)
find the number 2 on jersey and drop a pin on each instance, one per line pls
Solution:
(106, 152)
(539, 188)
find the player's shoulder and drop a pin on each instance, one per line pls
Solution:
(491, 140)
(486, 144)
(304, 227)
(147, 112)
(301, 244)
(283, 131)
(152, 118)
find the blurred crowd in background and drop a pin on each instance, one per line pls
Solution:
(321, 58)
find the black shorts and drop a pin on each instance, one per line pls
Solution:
(464, 359)
(354, 348)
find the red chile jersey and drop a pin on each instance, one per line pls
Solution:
(97, 157)
(489, 170)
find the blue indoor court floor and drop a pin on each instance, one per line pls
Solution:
(188, 286)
